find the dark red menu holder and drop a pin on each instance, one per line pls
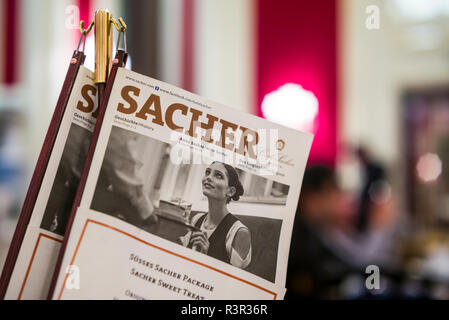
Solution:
(39, 171)
(119, 61)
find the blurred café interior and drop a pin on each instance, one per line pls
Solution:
(369, 78)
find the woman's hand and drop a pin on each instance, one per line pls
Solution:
(199, 241)
(185, 239)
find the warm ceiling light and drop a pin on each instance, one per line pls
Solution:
(429, 167)
(419, 10)
(292, 106)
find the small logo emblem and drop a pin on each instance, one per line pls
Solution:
(280, 144)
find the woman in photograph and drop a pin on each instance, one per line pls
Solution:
(222, 235)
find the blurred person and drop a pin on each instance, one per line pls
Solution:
(314, 270)
(374, 177)
(376, 245)
(373, 237)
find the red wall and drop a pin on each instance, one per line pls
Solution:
(87, 13)
(296, 42)
(10, 24)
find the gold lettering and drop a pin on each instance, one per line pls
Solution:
(169, 115)
(194, 123)
(156, 112)
(132, 103)
(85, 90)
(245, 145)
(225, 134)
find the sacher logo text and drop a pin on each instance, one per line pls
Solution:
(202, 136)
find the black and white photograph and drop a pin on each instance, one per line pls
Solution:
(211, 207)
(63, 191)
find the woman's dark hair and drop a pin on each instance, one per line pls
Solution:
(233, 181)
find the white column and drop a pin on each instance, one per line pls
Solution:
(224, 53)
(170, 41)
